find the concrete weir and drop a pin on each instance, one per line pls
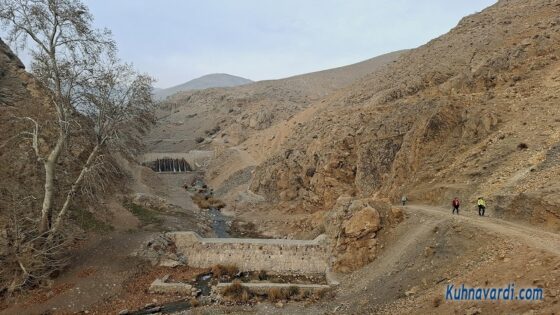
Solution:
(194, 158)
(276, 255)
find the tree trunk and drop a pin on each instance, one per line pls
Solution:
(60, 217)
(50, 167)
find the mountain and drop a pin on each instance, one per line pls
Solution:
(208, 81)
(471, 113)
(247, 109)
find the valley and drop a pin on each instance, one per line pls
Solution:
(284, 196)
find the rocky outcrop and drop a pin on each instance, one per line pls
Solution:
(161, 250)
(353, 226)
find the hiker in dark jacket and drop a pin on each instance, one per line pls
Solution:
(456, 203)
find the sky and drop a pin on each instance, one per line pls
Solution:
(179, 40)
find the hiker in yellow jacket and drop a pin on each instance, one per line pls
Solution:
(481, 206)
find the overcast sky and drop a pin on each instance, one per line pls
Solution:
(178, 40)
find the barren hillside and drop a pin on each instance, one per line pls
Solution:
(241, 111)
(473, 112)
(21, 97)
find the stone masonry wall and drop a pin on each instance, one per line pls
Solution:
(277, 255)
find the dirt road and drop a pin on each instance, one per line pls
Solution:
(463, 246)
(529, 235)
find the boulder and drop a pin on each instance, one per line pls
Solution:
(363, 222)
(352, 227)
(161, 250)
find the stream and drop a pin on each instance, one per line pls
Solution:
(219, 223)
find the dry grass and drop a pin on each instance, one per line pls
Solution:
(437, 301)
(293, 291)
(279, 294)
(321, 294)
(262, 275)
(237, 292)
(221, 271)
(194, 302)
(245, 296)
(204, 202)
(276, 294)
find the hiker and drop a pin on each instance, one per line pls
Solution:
(455, 204)
(404, 200)
(481, 206)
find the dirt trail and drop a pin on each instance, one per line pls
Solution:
(531, 236)
(428, 217)
(389, 260)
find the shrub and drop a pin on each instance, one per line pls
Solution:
(245, 296)
(225, 270)
(293, 291)
(275, 294)
(194, 302)
(522, 146)
(262, 275)
(321, 294)
(206, 202)
(237, 292)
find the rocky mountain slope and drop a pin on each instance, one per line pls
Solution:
(473, 112)
(207, 81)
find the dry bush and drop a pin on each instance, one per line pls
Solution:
(28, 257)
(522, 146)
(293, 291)
(262, 275)
(220, 271)
(321, 294)
(277, 294)
(204, 202)
(245, 296)
(194, 302)
(305, 294)
(237, 292)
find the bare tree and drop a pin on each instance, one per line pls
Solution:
(63, 46)
(89, 88)
(119, 102)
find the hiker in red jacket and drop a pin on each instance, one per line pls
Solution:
(455, 204)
